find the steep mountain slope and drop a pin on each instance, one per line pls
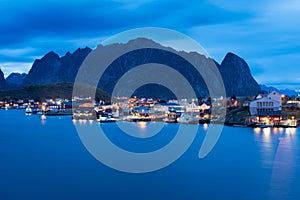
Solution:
(233, 69)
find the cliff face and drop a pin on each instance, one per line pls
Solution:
(2, 80)
(233, 69)
(53, 69)
(16, 78)
(237, 76)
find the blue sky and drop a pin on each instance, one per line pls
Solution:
(265, 33)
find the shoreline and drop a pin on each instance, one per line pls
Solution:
(69, 112)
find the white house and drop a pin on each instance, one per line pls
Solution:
(191, 107)
(272, 102)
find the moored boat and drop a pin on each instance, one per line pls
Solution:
(264, 125)
(171, 118)
(187, 119)
(28, 111)
(103, 117)
(204, 120)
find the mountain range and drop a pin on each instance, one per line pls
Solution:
(287, 92)
(2, 81)
(52, 68)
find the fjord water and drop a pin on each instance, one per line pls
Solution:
(45, 159)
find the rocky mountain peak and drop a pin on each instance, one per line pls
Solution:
(233, 69)
(235, 62)
(15, 78)
(50, 55)
(2, 80)
(237, 76)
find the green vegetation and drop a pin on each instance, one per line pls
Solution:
(237, 114)
(47, 91)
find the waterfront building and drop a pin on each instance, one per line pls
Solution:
(267, 109)
(204, 108)
(270, 103)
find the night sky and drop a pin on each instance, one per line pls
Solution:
(265, 33)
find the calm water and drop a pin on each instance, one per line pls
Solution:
(45, 159)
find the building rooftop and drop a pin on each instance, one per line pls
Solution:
(269, 113)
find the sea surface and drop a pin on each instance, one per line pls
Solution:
(44, 158)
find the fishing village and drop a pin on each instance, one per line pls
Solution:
(264, 110)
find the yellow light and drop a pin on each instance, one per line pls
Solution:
(257, 130)
(205, 126)
(142, 125)
(291, 131)
(281, 130)
(267, 130)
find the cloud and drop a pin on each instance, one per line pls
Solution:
(81, 18)
(64, 19)
(19, 67)
(264, 33)
(279, 70)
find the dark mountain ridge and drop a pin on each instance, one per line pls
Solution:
(16, 78)
(2, 80)
(52, 68)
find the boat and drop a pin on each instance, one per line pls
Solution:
(171, 118)
(28, 111)
(204, 121)
(140, 119)
(264, 125)
(288, 123)
(187, 119)
(84, 114)
(288, 126)
(104, 117)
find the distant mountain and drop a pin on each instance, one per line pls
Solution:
(267, 89)
(2, 80)
(234, 70)
(54, 69)
(287, 92)
(16, 78)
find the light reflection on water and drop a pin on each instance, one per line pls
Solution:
(205, 127)
(142, 125)
(44, 159)
(43, 119)
(279, 152)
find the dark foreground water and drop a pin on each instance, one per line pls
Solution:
(45, 159)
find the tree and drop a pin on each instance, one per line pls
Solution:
(233, 97)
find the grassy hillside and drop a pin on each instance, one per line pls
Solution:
(41, 92)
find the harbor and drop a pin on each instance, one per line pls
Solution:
(270, 110)
(54, 153)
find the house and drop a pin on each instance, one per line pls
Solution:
(191, 107)
(269, 116)
(204, 108)
(271, 104)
